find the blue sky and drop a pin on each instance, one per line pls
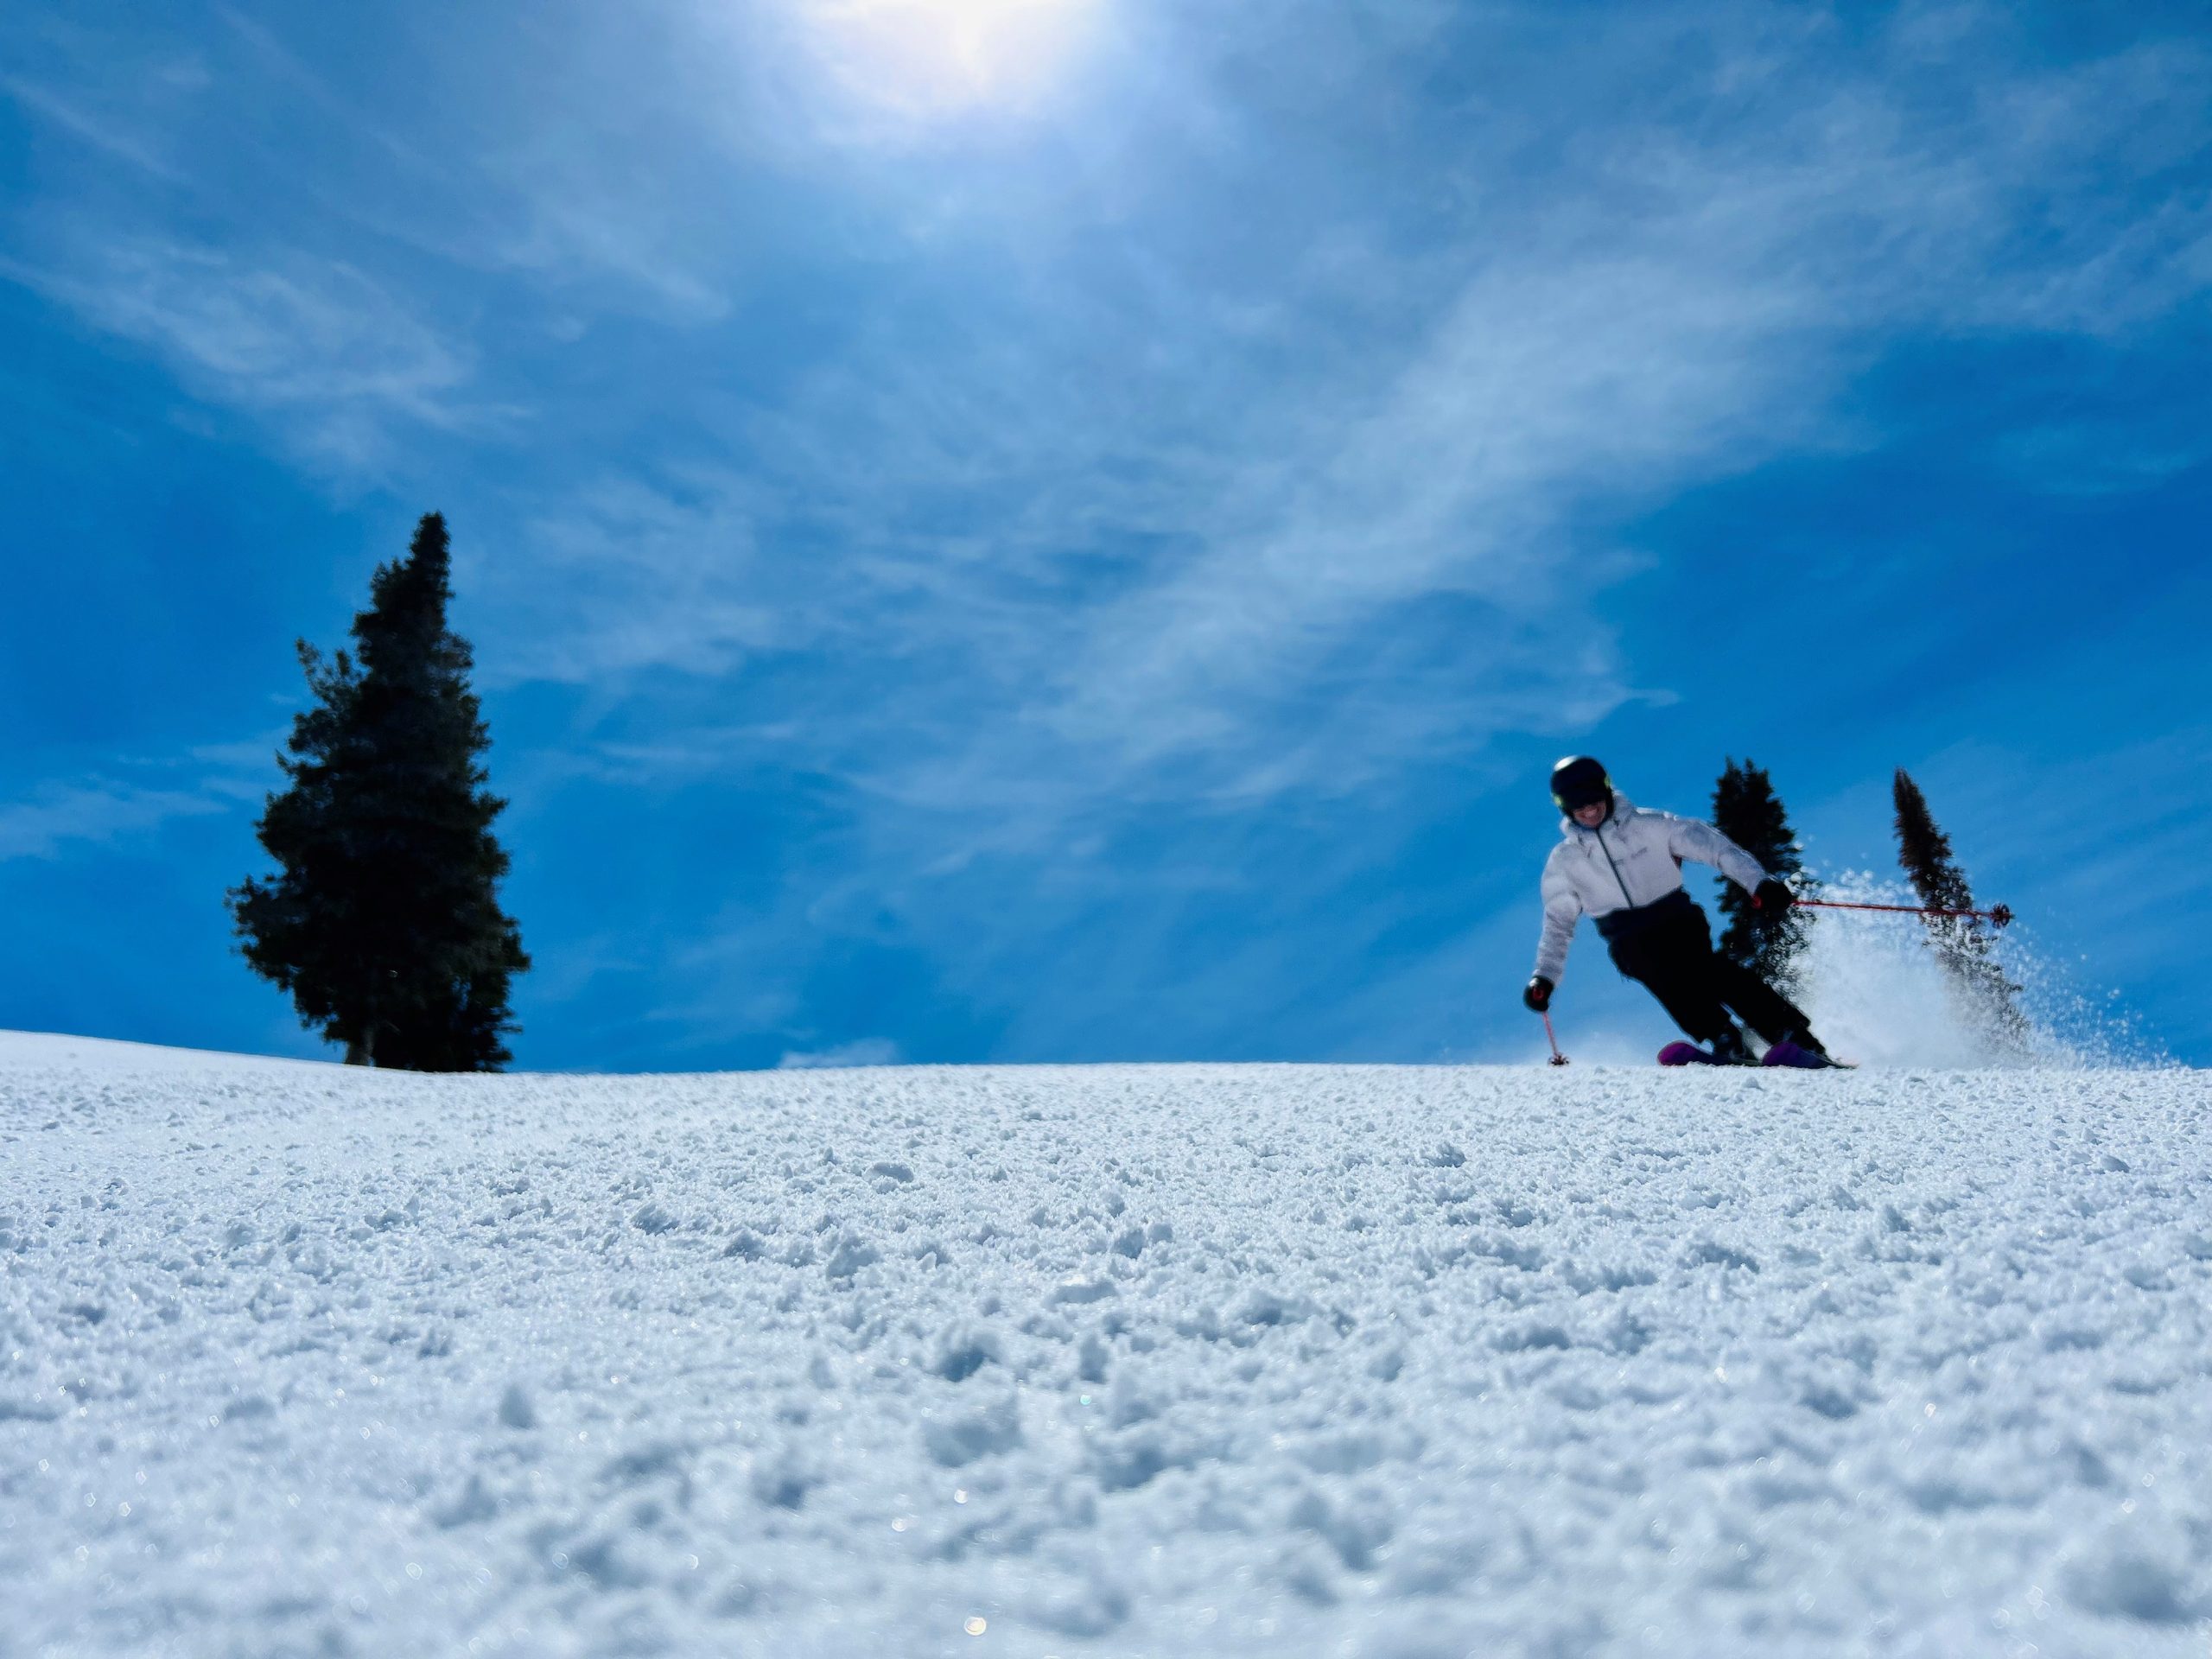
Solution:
(1072, 530)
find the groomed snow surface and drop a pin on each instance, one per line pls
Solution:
(1400, 1363)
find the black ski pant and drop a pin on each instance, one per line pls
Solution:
(1668, 947)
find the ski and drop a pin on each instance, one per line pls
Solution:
(1805, 1059)
(1690, 1054)
(1781, 1054)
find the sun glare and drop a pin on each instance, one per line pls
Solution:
(938, 57)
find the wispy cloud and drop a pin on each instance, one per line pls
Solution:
(131, 798)
(274, 58)
(98, 812)
(629, 574)
(315, 344)
(112, 136)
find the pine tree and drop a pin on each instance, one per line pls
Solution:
(383, 923)
(1961, 944)
(1747, 809)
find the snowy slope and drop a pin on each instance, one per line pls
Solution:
(1395, 1362)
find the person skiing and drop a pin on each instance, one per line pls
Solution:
(1622, 865)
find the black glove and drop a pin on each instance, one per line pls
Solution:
(1772, 899)
(1539, 994)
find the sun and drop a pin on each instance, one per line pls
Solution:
(939, 57)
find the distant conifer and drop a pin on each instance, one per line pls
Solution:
(1747, 809)
(1961, 943)
(383, 922)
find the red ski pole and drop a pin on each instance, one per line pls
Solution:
(1996, 915)
(1558, 1058)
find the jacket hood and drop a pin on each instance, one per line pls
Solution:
(1622, 807)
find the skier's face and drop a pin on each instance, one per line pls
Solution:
(1592, 815)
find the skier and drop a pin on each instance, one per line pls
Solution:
(1622, 865)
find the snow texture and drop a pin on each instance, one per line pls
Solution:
(1390, 1363)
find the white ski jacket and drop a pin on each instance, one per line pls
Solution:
(1634, 858)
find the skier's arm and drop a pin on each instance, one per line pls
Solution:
(1562, 910)
(1693, 838)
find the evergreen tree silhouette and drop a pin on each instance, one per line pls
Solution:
(383, 922)
(1962, 944)
(1747, 809)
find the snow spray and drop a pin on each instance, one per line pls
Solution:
(1878, 995)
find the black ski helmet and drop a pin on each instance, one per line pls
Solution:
(1579, 780)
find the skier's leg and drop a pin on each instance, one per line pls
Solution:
(1762, 1008)
(1672, 959)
